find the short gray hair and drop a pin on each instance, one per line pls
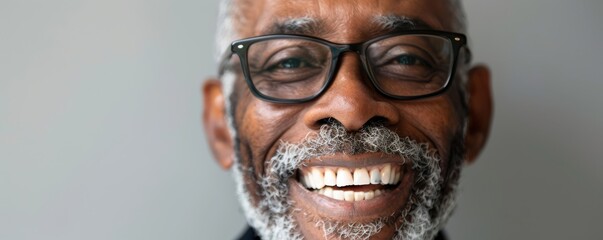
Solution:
(225, 32)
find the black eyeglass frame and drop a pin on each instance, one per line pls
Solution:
(241, 47)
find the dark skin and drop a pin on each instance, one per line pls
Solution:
(351, 100)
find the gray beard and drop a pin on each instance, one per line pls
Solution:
(422, 217)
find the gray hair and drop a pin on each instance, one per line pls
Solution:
(225, 32)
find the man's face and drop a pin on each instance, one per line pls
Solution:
(286, 154)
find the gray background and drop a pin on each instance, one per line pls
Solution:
(100, 133)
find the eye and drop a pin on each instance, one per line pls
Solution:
(289, 63)
(407, 59)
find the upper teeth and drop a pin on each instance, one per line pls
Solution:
(319, 177)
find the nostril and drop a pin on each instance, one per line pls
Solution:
(374, 121)
(377, 120)
(327, 121)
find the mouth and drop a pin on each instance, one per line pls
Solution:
(351, 184)
(361, 188)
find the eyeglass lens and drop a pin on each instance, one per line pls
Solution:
(404, 65)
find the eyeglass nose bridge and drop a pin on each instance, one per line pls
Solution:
(338, 51)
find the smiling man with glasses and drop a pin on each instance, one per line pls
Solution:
(346, 119)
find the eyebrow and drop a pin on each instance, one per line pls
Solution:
(301, 26)
(392, 23)
(314, 27)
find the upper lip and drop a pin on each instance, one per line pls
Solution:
(355, 161)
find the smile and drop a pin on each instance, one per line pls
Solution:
(362, 187)
(351, 184)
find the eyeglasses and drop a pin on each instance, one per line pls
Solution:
(403, 65)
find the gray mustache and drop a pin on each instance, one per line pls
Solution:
(334, 138)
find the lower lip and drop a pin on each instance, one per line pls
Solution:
(384, 205)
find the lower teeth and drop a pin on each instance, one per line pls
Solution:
(348, 195)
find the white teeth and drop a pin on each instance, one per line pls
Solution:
(317, 178)
(338, 194)
(375, 176)
(392, 176)
(361, 177)
(330, 178)
(386, 174)
(308, 180)
(344, 177)
(348, 196)
(369, 195)
(358, 196)
(304, 180)
(328, 192)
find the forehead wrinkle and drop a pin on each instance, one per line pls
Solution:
(339, 17)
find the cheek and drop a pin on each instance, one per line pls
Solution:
(261, 127)
(449, 125)
(436, 120)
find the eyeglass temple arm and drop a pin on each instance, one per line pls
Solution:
(468, 54)
(224, 62)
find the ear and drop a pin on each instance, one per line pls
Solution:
(215, 124)
(480, 111)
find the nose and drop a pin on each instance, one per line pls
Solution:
(351, 100)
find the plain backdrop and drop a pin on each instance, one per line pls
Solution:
(100, 134)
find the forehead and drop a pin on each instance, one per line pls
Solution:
(337, 20)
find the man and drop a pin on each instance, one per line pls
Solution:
(346, 119)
